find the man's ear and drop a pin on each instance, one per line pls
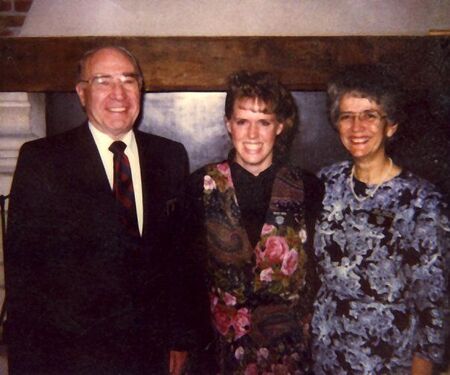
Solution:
(81, 95)
(227, 123)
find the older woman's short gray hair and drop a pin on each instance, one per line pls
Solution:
(373, 82)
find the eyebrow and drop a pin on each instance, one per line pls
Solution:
(365, 110)
(252, 109)
(118, 74)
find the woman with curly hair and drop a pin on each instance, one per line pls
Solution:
(249, 222)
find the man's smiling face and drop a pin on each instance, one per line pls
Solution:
(112, 108)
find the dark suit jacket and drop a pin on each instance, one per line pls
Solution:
(82, 296)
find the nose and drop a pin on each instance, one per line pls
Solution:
(357, 123)
(253, 131)
(118, 90)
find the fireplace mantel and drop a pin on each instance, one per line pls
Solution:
(43, 64)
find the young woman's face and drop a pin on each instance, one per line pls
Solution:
(363, 127)
(253, 133)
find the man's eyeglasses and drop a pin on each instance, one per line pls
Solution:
(127, 81)
(369, 117)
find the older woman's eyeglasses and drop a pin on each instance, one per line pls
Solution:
(105, 82)
(369, 117)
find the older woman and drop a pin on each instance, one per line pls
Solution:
(379, 243)
(250, 219)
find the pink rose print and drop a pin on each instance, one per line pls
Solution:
(229, 299)
(241, 323)
(251, 369)
(225, 317)
(263, 353)
(213, 299)
(266, 274)
(267, 229)
(239, 353)
(290, 262)
(225, 170)
(222, 319)
(208, 183)
(276, 248)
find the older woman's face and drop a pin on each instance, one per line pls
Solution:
(363, 127)
(253, 133)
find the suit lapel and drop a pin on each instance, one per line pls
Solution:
(89, 162)
(152, 175)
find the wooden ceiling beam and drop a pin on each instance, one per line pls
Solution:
(44, 64)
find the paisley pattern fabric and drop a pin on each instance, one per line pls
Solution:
(382, 271)
(260, 299)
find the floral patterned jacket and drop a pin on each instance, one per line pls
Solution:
(383, 273)
(260, 298)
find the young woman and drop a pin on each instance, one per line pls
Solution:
(250, 221)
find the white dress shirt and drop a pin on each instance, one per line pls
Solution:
(103, 141)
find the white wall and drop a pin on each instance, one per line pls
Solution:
(235, 17)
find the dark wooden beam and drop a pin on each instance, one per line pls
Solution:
(203, 63)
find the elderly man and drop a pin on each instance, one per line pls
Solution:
(89, 261)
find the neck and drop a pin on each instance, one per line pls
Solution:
(373, 172)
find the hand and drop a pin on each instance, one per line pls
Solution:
(177, 362)
(421, 366)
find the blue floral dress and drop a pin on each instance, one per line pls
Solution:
(260, 295)
(381, 264)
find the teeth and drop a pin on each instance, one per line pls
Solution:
(253, 146)
(118, 109)
(359, 140)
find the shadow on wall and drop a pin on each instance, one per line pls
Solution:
(422, 143)
(196, 120)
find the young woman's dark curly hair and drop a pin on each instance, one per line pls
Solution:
(265, 87)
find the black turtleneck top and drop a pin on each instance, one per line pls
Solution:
(253, 195)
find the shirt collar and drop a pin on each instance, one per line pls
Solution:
(103, 140)
(238, 171)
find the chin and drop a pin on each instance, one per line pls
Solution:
(253, 161)
(122, 126)
(357, 153)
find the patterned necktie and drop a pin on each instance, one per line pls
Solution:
(123, 188)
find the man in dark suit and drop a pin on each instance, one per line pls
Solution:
(89, 270)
